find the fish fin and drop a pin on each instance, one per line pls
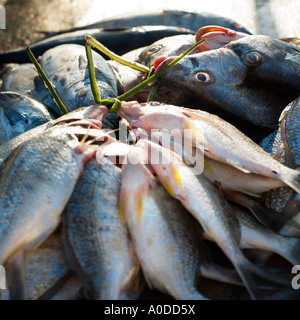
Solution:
(267, 217)
(16, 276)
(152, 284)
(294, 182)
(132, 283)
(247, 270)
(213, 271)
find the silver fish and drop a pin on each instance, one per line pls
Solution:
(96, 241)
(164, 235)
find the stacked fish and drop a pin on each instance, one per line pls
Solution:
(186, 204)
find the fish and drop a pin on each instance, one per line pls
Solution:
(24, 78)
(270, 62)
(233, 179)
(173, 45)
(162, 232)
(92, 116)
(207, 130)
(45, 268)
(178, 18)
(66, 67)
(96, 241)
(289, 128)
(20, 113)
(36, 182)
(214, 81)
(212, 211)
(119, 40)
(256, 236)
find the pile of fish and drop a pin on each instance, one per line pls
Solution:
(194, 195)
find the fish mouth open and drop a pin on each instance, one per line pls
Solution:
(216, 37)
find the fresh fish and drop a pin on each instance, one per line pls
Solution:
(289, 125)
(269, 61)
(182, 19)
(20, 78)
(270, 216)
(272, 143)
(233, 179)
(254, 235)
(20, 113)
(208, 130)
(97, 243)
(174, 45)
(164, 235)
(46, 268)
(25, 78)
(212, 211)
(215, 80)
(119, 40)
(66, 67)
(36, 181)
(89, 116)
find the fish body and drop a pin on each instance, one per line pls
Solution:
(208, 130)
(36, 181)
(66, 67)
(45, 267)
(162, 231)
(20, 113)
(96, 240)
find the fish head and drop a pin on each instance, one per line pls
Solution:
(216, 37)
(208, 76)
(268, 60)
(168, 46)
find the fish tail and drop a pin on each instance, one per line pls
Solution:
(247, 270)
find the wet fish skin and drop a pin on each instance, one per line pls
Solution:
(20, 113)
(162, 231)
(45, 267)
(269, 61)
(212, 212)
(66, 67)
(96, 240)
(215, 80)
(289, 126)
(94, 114)
(208, 130)
(36, 182)
(254, 235)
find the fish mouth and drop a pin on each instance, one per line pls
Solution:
(216, 37)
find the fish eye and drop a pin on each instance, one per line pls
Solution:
(252, 58)
(154, 49)
(202, 77)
